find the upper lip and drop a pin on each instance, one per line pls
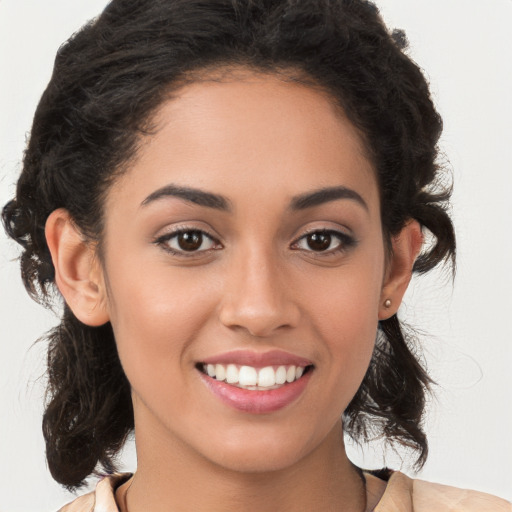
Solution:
(258, 359)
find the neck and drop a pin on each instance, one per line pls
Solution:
(174, 478)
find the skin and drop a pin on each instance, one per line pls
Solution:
(257, 284)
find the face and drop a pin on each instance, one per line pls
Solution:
(243, 247)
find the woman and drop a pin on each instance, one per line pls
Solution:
(231, 197)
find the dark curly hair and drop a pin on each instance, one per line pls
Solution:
(108, 81)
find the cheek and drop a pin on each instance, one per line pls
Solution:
(350, 327)
(344, 311)
(156, 314)
(346, 302)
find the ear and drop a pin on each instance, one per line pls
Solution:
(405, 249)
(78, 273)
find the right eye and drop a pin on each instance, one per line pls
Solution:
(191, 241)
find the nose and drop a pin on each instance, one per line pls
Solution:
(257, 297)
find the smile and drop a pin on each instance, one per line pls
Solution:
(256, 382)
(252, 378)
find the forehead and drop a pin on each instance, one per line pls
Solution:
(250, 133)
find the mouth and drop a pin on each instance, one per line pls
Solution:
(255, 378)
(256, 382)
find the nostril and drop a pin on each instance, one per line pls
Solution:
(257, 323)
(259, 307)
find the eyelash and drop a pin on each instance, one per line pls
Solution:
(345, 242)
(163, 241)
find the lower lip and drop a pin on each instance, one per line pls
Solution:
(257, 402)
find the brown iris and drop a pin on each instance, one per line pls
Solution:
(319, 241)
(190, 240)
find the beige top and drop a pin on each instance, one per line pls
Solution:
(402, 494)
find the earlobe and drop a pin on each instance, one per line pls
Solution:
(78, 273)
(405, 249)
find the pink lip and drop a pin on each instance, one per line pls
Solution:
(258, 359)
(257, 402)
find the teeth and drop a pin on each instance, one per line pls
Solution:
(267, 377)
(248, 376)
(220, 372)
(252, 378)
(232, 374)
(281, 375)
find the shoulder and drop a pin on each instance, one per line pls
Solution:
(83, 504)
(404, 494)
(102, 499)
(427, 494)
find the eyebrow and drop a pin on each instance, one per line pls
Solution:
(218, 202)
(325, 195)
(192, 195)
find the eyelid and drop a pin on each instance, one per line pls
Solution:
(161, 240)
(346, 240)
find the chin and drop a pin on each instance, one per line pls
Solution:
(263, 453)
(258, 463)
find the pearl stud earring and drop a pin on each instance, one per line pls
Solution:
(387, 303)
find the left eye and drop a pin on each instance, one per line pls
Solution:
(322, 241)
(188, 241)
